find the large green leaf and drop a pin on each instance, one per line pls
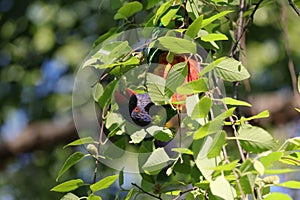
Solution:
(255, 139)
(128, 10)
(104, 183)
(193, 87)
(232, 70)
(70, 196)
(156, 161)
(221, 188)
(156, 88)
(277, 196)
(68, 185)
(195, 27)
(175, 78)
(269, 159)
(176, 45)
(235, 102)
(217, 145)
(72, 160)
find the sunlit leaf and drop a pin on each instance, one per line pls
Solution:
(259, 167)
(193, 87)
(297, 109)
(261, 115)
(156, 161)
(167, 17)
(176, 45)
(292, 144)
(161, 10)
(232, 70)
(195, 27)
(104, 183)
(298, 84)
(226, 167)
(255, 139)
(221, 188)
(280, 171)
(81, 141)
(183, 151)
(292, 159)
(211, 66)
(128, 10)
(235, 102)
(213, 37)
(269, 159)
(277, 196)
(70, 196)
(94, 197)
(290, 184)
(202, 108)
(68, 186)
(72, 160)
(129, 194)
(208, 21)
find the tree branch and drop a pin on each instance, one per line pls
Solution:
(295, 8)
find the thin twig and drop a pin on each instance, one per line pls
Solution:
(295, 8)
(184, 192)
(152, 195)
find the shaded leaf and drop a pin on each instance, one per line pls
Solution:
(105, 99)
(217, 145)
(255, 139)
(104, 183)
(94, 197)
(202, 108)
(175, 78)
(129, 194)
(211, 66)
(72, 160)
(68, 186)
(70, 196)
(268, 160)
(156, 88)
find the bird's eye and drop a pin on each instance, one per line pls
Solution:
(136, 109)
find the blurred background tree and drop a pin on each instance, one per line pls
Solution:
(43, 43)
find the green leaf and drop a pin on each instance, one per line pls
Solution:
(195, 27)
(259, 167)
(151, 3)
(129, 194)
(277, 196)
(72, 160)
(255, 139)
(105, 99)
(232, 70)
(217, 145)
(175, 78)
(211, 66)
(121, 178)
(208, 21)
(202, 108)
(292, 159)
(70, 196)
(81, 141)
(213, 126)
(235, 102)
(221, 188)
(164, 135)
(138, 136)
(104, 183)
(297, 109)
(193, 87)
(166, 18)
(94, 197)
(292, 144)
(183, 151)
(176, 45)
(68, 186)
(128, 10)
(280, 171)
(268, 160)
(161, 10)
(156, 161)
(97, 91)
(156, 88)
(226, 167)
(213, 37)
(263, 114)
(290, 184)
